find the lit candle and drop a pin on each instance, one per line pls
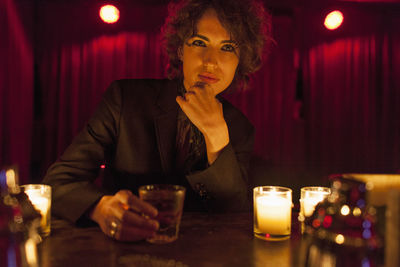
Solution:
(310, 197)
(39, 202)
(40, 196)
(42, 204)
(272, 212)
(309, 205)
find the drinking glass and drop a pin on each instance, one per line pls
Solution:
(168, 200)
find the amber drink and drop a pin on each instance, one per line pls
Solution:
(168, 200)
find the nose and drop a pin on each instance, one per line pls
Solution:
(210, 60)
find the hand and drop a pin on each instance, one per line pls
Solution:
(205, 111)
(125, 217)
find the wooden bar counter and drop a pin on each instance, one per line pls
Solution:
(204, 240)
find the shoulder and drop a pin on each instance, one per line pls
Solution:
(143, 89)
(139, 85)
(143, 94)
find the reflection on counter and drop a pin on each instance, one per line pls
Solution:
(148, 260)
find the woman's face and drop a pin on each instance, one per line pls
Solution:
(210, 55)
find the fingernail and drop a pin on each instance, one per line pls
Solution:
(155, 213)
(156, 224)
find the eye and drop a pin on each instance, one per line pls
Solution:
(197, 42)
(228, 48)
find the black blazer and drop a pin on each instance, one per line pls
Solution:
(133, 133)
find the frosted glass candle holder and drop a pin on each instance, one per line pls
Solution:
(309, 198)
(272, 212)
(40, 196)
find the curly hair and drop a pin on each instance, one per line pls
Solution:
(246, 20)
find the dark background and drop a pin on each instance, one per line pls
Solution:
(324, 102)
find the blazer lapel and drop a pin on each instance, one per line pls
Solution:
(165, 123)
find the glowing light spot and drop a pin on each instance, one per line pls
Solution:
(31, 252)
(337, 184)
(365, 263)
(369, 186)
(327, 221)
(267, 235)
(333, 20)
(10, 176)
(339, 239)
(357, 211)
(372, 211)
(361, 187)
(109, 14)
(345, 210)
(321, 211)
(316, 223)
(361, 203)
(367, 234)
(366, 224)
(102, 166)
(330, 210)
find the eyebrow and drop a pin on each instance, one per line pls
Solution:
(206, 39)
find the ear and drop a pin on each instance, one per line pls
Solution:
(180, 53)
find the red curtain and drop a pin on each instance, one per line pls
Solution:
(270, 103)
(352, 100)
(74, 77)
(16, 90)
(333, 106)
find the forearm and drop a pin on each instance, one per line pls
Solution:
(71, 201)
(216, 138)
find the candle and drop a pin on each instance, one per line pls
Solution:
(273, 215)
(309, 205)
(40, 196)
(40, 203)
(272, 212)
(310, 197)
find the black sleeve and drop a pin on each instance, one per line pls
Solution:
(72, 176)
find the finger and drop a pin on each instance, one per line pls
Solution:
(189, 95)
(133, 202)
(180, 100)
(183, 103)
(133, 219)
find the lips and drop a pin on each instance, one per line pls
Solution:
(208, 78)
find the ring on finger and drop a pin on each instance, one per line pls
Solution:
(114, 228)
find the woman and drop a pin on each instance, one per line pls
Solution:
(176, 131)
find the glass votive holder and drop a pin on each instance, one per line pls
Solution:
(272, 212)
(309, 198)
(40, 196)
